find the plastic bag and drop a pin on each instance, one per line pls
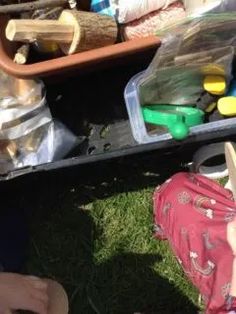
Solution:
(196, 36)
(210, 9)
(28, 134)
(48, 143)
(22, 106)
(181, 81)
(188, 51)
(201, 33)
(15, 92)
(209, 6)
(193, 6)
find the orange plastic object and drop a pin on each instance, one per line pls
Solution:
(79, 62)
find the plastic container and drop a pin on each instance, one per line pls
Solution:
(138, 125)
(83, 61)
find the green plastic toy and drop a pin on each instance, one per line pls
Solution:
(178, 119)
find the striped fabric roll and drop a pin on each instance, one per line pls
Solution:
(131, 10)
(152, 22)
(102, 7)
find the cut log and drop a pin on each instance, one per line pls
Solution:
(92, 30)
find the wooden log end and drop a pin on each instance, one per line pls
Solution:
(22, 54)
(67, 17)
(91, 30)
(11, 30)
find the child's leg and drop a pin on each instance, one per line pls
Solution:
(196, 215)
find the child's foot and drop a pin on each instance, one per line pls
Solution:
(19, 292)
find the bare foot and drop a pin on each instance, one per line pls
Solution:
(19, 292)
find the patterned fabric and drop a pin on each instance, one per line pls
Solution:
(153, 22)
(192, 213)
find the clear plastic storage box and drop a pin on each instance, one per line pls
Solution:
(138, 127)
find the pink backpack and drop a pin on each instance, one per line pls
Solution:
(195, 215)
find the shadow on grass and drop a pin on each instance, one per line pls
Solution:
(124, 283)
(127, 284)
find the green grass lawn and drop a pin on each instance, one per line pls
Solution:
(96, 239)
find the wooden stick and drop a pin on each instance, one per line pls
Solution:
(39, 30)
(22, 53)
(188, 59)
(48, 14)
(31, 6)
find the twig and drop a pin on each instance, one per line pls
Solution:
(22, 53)
(31, 6)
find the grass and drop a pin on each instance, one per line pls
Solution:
(96, 239)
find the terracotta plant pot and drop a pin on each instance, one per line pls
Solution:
(79, 62)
